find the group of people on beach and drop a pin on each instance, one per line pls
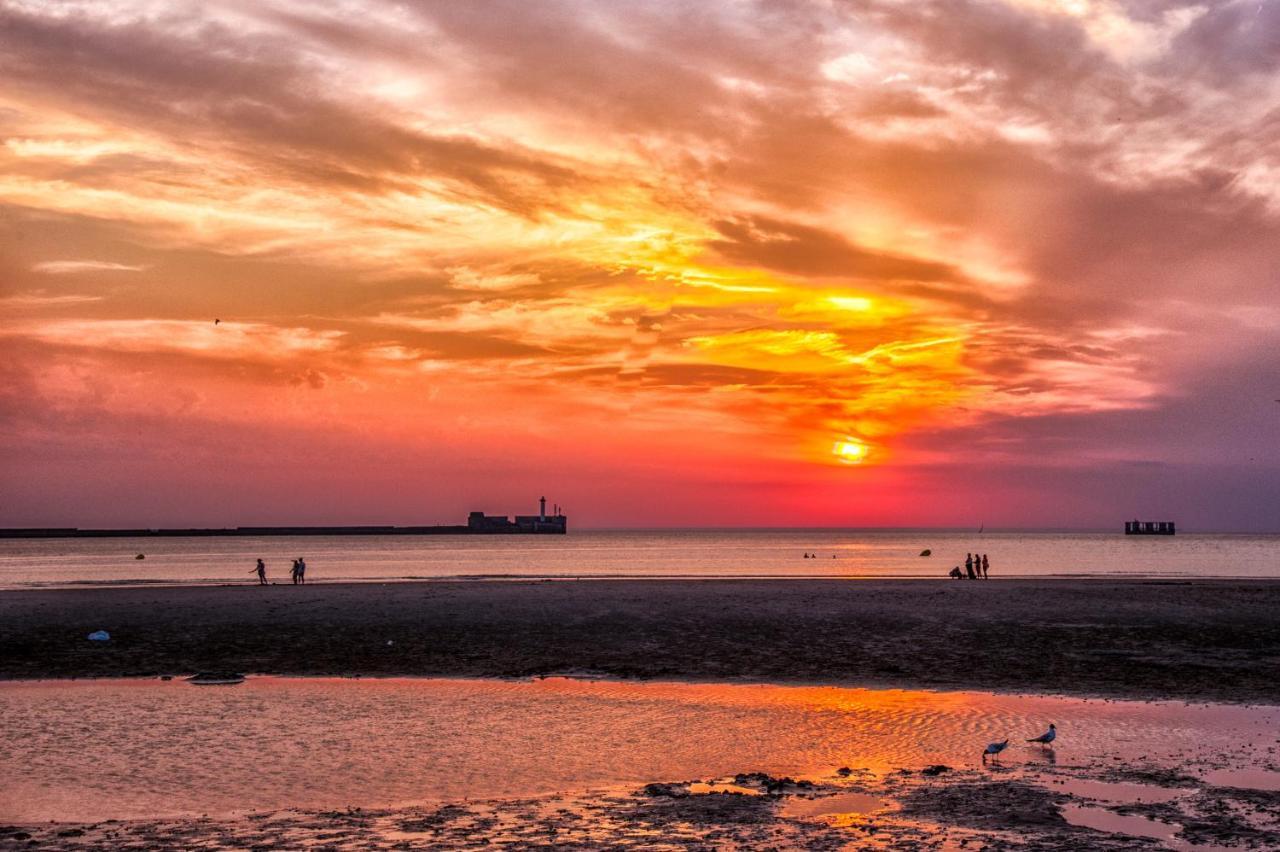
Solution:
(975, 568)
(298, 573)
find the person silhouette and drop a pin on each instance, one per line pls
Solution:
(955, 573)
(302, 570)
(293, 572)
(985, 565)
(261, 570)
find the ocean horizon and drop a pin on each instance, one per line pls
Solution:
(635, 553)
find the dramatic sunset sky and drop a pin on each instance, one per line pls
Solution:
(708, 263)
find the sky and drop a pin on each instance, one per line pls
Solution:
(706, 263)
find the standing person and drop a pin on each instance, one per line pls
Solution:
(968, 566)
(261, 570)
(302, 570)
(985, 564)
(293, 572)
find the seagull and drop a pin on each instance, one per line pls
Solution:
(1047, 737)
(994, 750)
(216, 321)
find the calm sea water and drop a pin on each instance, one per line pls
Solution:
(173, 748)
(686, 553)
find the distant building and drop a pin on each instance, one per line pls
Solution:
(555, 523)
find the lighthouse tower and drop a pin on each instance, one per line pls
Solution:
(542, 508)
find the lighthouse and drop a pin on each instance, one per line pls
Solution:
(542, 508)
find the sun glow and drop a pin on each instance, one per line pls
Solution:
(850, 451)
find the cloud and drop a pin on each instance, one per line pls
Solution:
(726, 230)
(225, 339)
(803, 250)
(43, 300)
(72, 267)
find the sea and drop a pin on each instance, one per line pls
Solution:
(707, 553)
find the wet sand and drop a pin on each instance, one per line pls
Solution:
(933, 808)
(1205, 640)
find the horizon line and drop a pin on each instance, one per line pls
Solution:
(697, 528)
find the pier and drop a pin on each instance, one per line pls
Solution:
(478, 523)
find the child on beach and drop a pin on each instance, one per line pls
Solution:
(261, 570)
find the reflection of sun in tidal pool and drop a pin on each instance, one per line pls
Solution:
(849, 451)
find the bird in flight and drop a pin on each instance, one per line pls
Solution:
(1047, 737)
(994, 750)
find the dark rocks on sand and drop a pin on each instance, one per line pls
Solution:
(772, 786)
(672, 791)
(1220, 820)
(1000, 805)
(844, 772)
(935, 769)
(216, 678)
(1156, 775)
(434, 820)
(662, 813)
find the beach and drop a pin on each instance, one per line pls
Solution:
(1215, 640)
(633, 714)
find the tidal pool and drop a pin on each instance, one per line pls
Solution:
(83, 751)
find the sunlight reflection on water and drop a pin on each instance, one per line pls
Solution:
(91, 750)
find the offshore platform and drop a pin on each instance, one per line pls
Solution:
(1149, 528)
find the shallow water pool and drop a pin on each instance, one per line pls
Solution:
(92, 750)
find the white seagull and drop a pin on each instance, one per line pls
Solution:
(1047, 737)
(994, 750)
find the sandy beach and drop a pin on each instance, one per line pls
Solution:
(1204, 640)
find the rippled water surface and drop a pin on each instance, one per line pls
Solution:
(86, 751)
(697, 553)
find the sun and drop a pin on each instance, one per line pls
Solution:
(849, 451)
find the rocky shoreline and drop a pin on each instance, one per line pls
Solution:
(931, 808)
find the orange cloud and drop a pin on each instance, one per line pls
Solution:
(747, 237)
